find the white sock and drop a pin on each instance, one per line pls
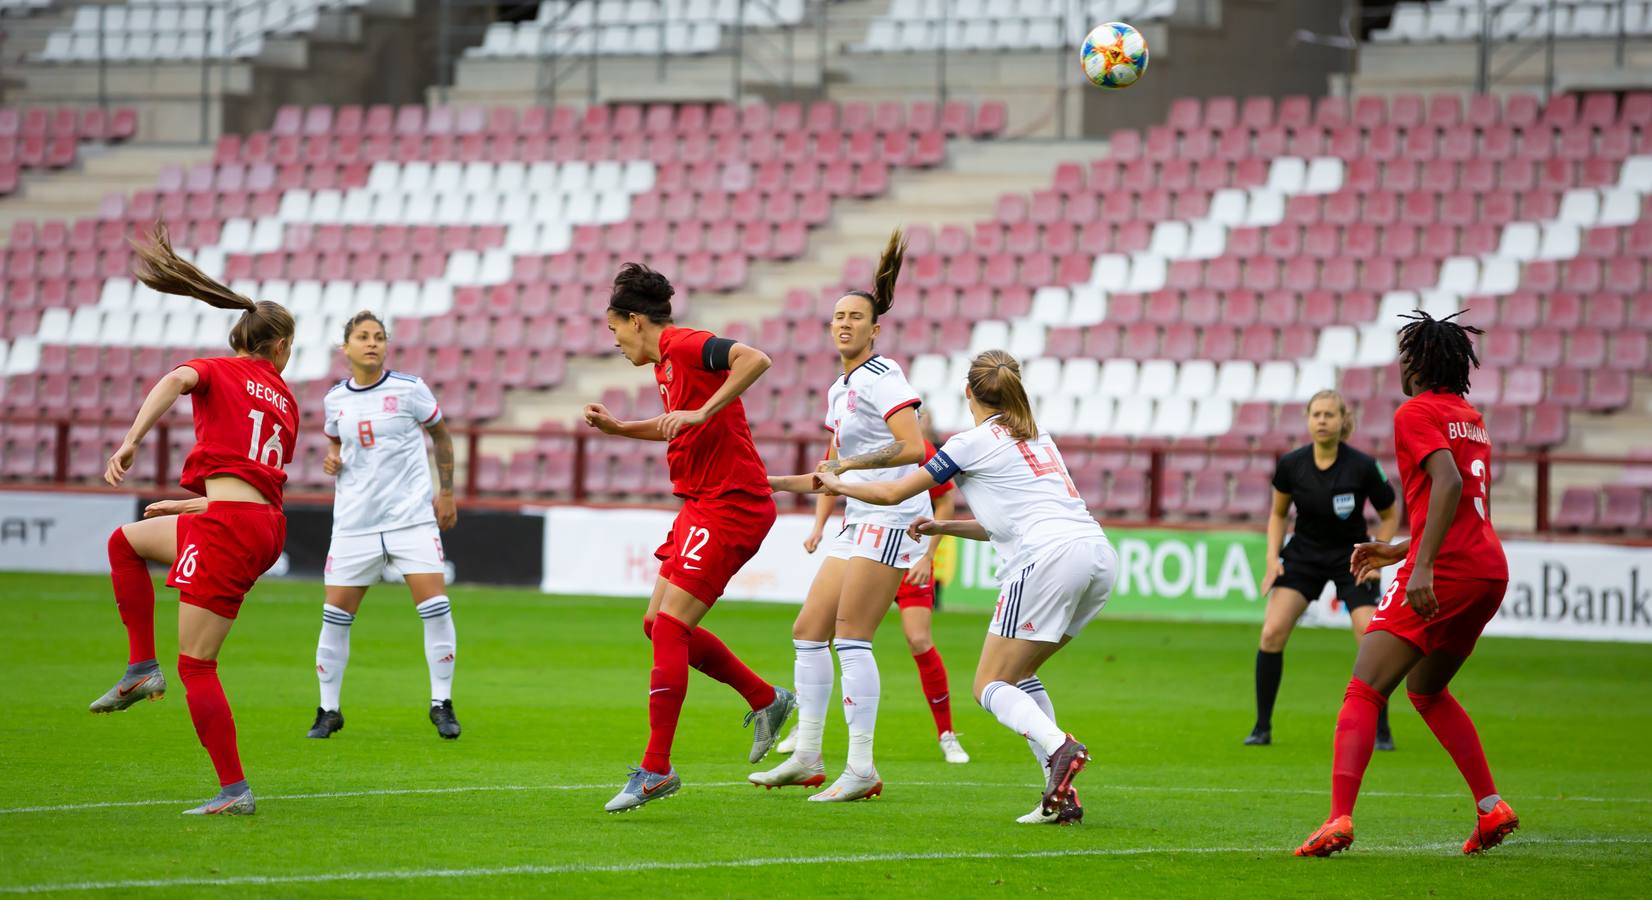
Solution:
(1021, 714)
(860, 700)
(813, 674)
(332, 653)
(1034, 688)
(440, 643)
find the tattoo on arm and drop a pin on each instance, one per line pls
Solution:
(872, 459)
(444, 456)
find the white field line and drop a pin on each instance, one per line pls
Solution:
(1028, 786)
(693, 865)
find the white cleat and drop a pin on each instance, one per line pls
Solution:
(225, 804)
(951, 749)
(789, 773)
(788, 743)
(1037, 817)
(851, 786)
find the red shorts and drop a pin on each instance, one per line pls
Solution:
(1466, 605)
(920, 596)
(221, 553)
(711, 540)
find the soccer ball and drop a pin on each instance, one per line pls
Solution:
(1114, 56)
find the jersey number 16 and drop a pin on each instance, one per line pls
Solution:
(270, 453)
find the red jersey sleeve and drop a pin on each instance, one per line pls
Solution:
(689, 348)
(203, 375)
(1418, 432)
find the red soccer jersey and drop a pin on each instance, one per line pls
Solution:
(715, 458)
(246, 423)
(1443, 421)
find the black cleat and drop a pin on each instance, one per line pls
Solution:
(1259, 737)
(441, 715)
(1065, 763)
(1385, 741)
(327, 721)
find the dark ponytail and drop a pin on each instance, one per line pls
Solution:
(882, 295)
(639, 290)
(262, 324)
(995, 381)
(1439, 352)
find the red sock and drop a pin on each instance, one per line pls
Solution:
(667, 684)
(932, 675)
(708, 653)
(134, 597)
(209, 709)
(1356, 738)
(1455, 731)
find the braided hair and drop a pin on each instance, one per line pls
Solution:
(1439, 352)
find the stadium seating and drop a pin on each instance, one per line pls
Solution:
(1466, 20)
(927, 25)
(633, 28)
(49, 138)
(149, 32)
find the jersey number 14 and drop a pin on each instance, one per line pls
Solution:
(270, 452)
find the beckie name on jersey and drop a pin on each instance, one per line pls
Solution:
(1468, 431)
(266, 394)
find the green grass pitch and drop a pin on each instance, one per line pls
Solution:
(551, 692)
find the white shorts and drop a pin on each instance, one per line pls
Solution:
(1058, 593)
(887, 544)
(358, 560)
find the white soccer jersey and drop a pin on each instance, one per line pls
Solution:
(1019, 491)
(385, 482)
(858, 408)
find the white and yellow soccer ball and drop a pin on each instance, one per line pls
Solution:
(1114, 56)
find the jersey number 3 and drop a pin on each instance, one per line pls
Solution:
(270, 452)
(1042, 467)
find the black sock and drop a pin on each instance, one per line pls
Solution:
(1382, 722)
(1269, 668)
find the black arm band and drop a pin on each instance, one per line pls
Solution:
(715, 355)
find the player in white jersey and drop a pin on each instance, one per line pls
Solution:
(384, 514)
(872, 413)
(1057, 567)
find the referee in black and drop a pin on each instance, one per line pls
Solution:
(1329, 483)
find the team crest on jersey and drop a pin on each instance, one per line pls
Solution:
(850, 400)
(391, 404)
(668, 372)
(1343, 505)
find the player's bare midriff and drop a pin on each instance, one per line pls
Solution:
(232, 489)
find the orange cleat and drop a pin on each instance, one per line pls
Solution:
(1332, 837)
(1491, 828)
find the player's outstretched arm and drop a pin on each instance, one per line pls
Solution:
(968, 529)
(1369, 559)
(879, 493)
(797, 484)
(907, 449)
(597, 416)
(177, 382)
(745, 365)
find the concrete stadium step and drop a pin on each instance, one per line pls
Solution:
(79, 191)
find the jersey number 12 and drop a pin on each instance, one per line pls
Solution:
(270, 453)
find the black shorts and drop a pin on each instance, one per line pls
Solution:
(1307, 573)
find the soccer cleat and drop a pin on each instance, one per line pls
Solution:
(851, 786)
(1334, 836)
(226, 804)
(1070, 813)
(769, 719)
(327, 721)
(951, 749)
(441, 715)
(788, 743)
(1491, 828)
(644, 787)
(789, 773)
(1385, 741)
(127, 691)
(1066, 762)
(1259, 737)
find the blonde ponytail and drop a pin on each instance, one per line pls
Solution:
(995, 381)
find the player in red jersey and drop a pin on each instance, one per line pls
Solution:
(246, 423)
(1451, 583)
(727, 511)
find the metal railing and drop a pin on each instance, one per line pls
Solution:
(157, 467)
